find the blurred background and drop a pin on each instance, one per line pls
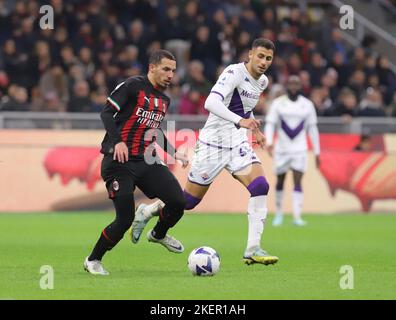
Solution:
(54, 83)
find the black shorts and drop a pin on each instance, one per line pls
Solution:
(154, 180)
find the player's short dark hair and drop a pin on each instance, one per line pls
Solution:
(265, 43)
(158, 55)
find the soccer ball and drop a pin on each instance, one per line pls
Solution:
(204, 261)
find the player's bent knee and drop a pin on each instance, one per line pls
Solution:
(190, 201)
(258, 187)
(178, 204)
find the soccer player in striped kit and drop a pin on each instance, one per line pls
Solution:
(132, 118)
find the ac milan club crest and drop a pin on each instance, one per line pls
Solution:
(116, 185)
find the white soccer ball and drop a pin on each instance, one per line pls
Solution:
(204, 261)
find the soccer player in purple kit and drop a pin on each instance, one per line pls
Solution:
(292, 117)
(223, 144)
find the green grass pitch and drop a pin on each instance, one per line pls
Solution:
(309, 266)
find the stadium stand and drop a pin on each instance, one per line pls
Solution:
(95, 44)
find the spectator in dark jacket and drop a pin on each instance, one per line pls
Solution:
(316, 68)
(372, 104)
(206, 48)
(346, 106)
(17, 100)
(80, 100)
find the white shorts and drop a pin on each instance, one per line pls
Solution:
(284, 162)
(210, 160)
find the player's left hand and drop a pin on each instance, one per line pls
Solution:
(183, 157)
(260, 138)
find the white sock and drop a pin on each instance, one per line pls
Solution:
(152, 210)
(297, 204)
(279, 202)
(257, 213)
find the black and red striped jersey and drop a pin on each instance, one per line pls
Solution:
(133, 108)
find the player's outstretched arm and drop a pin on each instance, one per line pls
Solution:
(251, 124)
(215, 105)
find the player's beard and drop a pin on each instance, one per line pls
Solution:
(162, 86)
(165, 84)
(293, 95)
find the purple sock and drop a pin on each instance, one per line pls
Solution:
(191, 201)
(298, 188)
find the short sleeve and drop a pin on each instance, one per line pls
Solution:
(265, 82)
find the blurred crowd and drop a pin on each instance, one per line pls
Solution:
(96, 44)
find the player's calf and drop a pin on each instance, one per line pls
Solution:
(115, 231)
(191, 201)
(124, 218)
(278, 220)
(173, 211)
(257, 214)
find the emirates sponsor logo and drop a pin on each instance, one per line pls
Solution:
(151, 119)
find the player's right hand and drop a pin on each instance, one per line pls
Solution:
(251, 124)
(260, 138)
(121, 152)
